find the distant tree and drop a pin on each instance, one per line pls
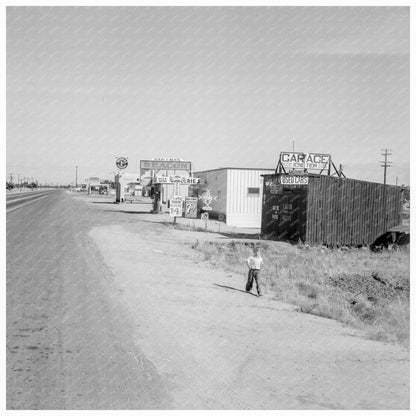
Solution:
(111, 183)
(32, 185)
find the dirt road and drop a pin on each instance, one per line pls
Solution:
(113, 310)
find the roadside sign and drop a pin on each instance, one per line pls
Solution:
(183, 180)
(191, 204)
(294, 179)
(122, 163)
(176, 190)
(165, 165)
(207, 198)
(175, 207)
(301, 161)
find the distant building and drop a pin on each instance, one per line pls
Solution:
(237, 194)
(127, 184)
(95, 185)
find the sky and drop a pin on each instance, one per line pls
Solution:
(218, 86)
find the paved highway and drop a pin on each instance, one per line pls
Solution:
(17, 200)
(68, 342)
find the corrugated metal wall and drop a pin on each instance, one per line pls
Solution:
(348, 211)
(244, 208)
(329, 210)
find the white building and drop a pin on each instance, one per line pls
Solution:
(238, 193)
(126, 184)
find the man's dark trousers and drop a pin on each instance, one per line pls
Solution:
(253, 274)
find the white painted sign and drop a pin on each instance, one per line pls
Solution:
(175, 207)
(294, 179)
(308, 161)
(165, 165)
(183, 180)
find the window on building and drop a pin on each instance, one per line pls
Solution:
(254, 191)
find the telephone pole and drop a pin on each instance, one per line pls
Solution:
(385, 163)
(76, 176)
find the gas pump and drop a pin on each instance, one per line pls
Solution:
(157, 198)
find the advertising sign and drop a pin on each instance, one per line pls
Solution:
(122, 163)
(302, 161)
(184, 180)
(205, 216)
(273, 186)
(175, 207)
(317, 161)
(294, 180)
(207, 198)
(165, 165)
(191, 204)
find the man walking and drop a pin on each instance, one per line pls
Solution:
(254, 263)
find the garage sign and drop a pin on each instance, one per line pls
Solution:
(305, 161)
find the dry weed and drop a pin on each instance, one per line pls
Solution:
(356, 286)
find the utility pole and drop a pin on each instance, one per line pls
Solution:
(385, 163)
(76, 176)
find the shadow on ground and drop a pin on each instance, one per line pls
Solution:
(233, 288)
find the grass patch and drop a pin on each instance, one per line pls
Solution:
(367, 290)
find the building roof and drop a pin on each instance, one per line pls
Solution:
(213, 170)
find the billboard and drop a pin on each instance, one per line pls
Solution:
(165, 165)
(305, 161)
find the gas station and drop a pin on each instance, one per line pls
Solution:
(171, 178)
(129, 187)
(165, 180)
